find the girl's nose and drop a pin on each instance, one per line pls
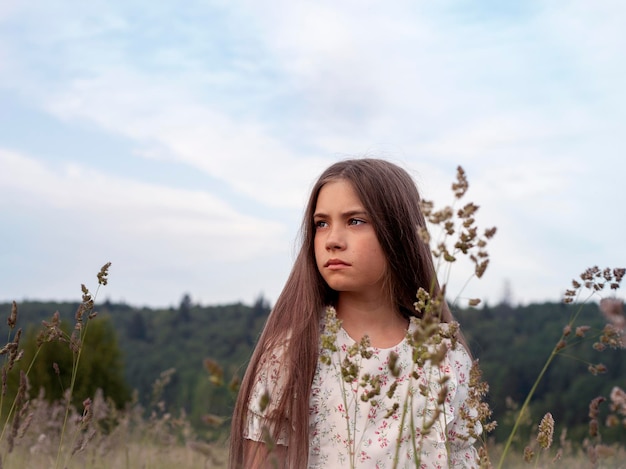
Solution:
(335, 239)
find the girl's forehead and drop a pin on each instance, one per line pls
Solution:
(340, 191)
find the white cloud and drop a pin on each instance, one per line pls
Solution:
(531, 105)
(163, 242)
(137, 212)
(244, 154)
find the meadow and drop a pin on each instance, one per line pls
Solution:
(136, 442)
(113, 439)
(98, 429)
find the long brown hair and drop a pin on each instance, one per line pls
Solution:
(391, 199)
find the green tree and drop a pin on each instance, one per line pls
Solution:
(136, 328)
(100, 366)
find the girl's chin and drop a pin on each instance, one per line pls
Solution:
(338, 287)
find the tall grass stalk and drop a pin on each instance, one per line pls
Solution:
(594, 280)
(12, 408)
(555, 351)
(51, 331)
(70, 393)
(77, 340)
(14, 355)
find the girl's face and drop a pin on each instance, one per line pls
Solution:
(347, 252)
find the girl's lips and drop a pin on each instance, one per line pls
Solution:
(336, 264)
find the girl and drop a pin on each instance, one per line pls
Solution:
(334, 380)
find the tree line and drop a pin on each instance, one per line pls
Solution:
(133, 346)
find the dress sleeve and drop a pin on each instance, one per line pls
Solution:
(462, 453)
(267, 392)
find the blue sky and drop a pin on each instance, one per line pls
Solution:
(178, 140)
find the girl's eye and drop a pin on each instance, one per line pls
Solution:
(320, 224)
(355, 221)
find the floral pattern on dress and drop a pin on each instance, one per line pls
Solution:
(349, 429)
(268, 384)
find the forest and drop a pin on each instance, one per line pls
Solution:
(140, 344)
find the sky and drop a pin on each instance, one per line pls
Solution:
(179, 140)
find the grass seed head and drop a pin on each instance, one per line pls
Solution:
(597, 369)
(234, 384)
(617, 407)
(460, 186)
(613, 310)
(582, 330)
(75, 341)
(394, 408)
(215, 370)
(14, 352)
(87, 412)
(612, 337)
(529, 454)
(392, 389)
(594, 411)
(546, 431)
(20, 402)
(467, 211)
(427, 207)
(12, 319)
(618, 400)
(441, 216)
(424, 234)
(394, 367)
(103, 274)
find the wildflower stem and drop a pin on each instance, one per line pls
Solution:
(12, 409)
(68, 404)
(396, 457)
(555, 351)
(525, 406)
(458, 296)
(416, 451)
(69, 399)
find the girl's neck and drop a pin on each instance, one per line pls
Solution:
(379, 319)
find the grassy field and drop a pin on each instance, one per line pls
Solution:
(102, 437)
(106, 438)
(205, 456)
(132, 456)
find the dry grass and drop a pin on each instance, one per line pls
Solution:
(130, 456)
(109, 439)
(147, 456)
(614, 457)
(127, 439)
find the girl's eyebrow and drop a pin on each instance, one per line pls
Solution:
(349, 213)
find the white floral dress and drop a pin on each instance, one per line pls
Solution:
(356, 412)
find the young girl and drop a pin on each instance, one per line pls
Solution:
(318, 394)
